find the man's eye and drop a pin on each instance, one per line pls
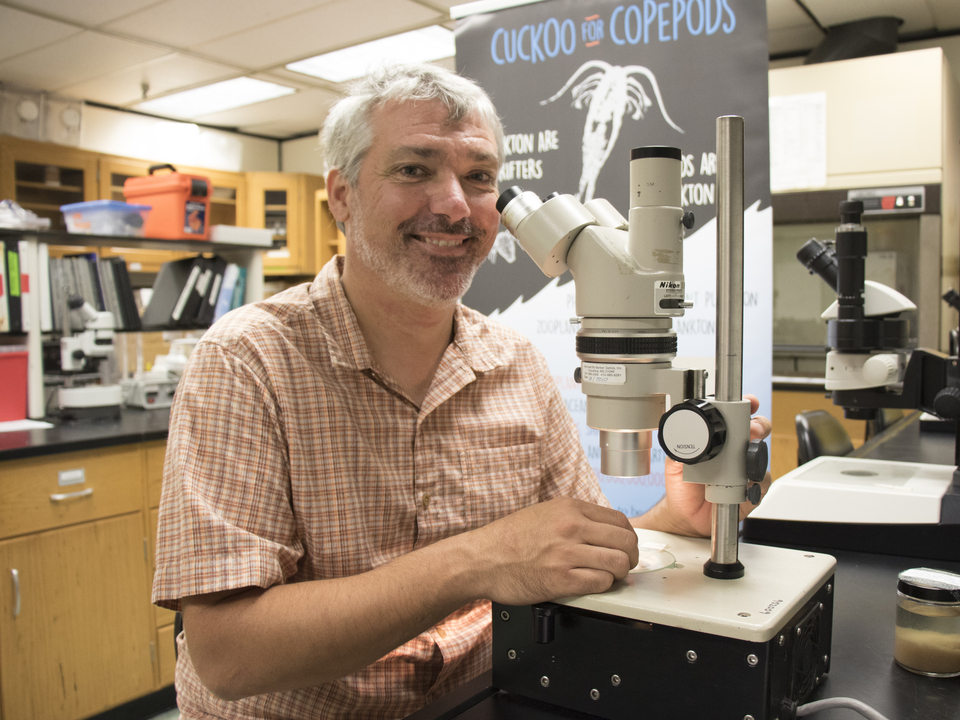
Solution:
(411, 171)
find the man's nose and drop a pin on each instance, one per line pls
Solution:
(448, 198)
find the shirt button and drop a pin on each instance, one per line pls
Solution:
(426, 500)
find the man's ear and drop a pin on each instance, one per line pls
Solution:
(338, 196)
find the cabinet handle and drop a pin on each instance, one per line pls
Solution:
(62, 497)
(16, 592)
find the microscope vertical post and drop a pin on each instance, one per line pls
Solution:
(725, 517)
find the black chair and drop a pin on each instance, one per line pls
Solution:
(820, 433)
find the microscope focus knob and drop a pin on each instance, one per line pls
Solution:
(692, 431)
(947, 403)
(757, 456)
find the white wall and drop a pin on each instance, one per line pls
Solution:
(302, 155)
(137, 136)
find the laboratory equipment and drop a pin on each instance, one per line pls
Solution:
(744, 639)
(88, 391)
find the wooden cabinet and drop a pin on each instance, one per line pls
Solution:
(41, 177)
(76, 629)
(330, 241)
(285, 203)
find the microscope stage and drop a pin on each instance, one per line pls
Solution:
(777, 583)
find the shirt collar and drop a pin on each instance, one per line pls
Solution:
(347, 346)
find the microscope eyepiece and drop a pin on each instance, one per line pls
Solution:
(819, 259)
(850, 212)
(507, 195)
(655, 151)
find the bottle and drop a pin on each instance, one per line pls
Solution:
(927, 639)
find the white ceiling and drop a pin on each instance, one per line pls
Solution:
(117, 52)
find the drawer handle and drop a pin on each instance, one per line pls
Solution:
(16, 592)
(63, 497)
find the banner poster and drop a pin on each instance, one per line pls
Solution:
(579, 83)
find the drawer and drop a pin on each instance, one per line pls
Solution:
(166, 655)
(155, 452)
(68, 488)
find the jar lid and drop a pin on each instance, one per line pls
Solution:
(930, 584)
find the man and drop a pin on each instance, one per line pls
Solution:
(356, 466)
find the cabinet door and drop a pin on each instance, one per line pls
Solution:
(284, 202)
(78, 640)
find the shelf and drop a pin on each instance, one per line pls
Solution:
(45, 186)
(39, 206)
(78, 240)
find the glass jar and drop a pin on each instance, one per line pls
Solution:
(927, 637)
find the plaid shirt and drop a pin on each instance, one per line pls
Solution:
(292, 457)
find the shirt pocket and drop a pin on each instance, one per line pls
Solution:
(500, 480)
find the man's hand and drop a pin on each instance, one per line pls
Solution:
(684, 510)
(553, 549)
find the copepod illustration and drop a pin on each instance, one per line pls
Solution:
(610, 93)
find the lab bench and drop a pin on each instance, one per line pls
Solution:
(78, 515)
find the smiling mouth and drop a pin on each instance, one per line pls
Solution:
(440, 243)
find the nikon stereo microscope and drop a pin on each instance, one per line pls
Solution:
(701, 628)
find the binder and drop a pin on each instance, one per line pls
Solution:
(11, 261)
(185, 312)
(225, 299)
(4, 313)
(208, 303)
(125, 300)
(175, 282)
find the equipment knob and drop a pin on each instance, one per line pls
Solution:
(757, 456)
(881, 369)
(688, 220)
(754, 493)
(947, 403)
(577, 375)
(692, 431)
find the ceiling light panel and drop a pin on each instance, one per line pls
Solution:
(424, 45)
(214, 98)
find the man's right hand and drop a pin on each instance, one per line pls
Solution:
(550, 550)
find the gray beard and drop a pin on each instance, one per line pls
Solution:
(440, 283)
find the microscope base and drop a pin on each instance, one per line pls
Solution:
(674, 644)
(89, 402)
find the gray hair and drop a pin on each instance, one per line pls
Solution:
(346, 135)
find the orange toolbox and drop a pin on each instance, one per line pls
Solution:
(180, 203)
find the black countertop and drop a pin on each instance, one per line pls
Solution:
(133, 426)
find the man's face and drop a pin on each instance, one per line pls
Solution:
(423, 215)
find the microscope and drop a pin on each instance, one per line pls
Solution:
(881, 506)
(87, 392)
(701, 628)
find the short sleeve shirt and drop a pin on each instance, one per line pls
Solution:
(292, 457)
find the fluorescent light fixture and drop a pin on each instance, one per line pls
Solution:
(429, 43)
(214, 98)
